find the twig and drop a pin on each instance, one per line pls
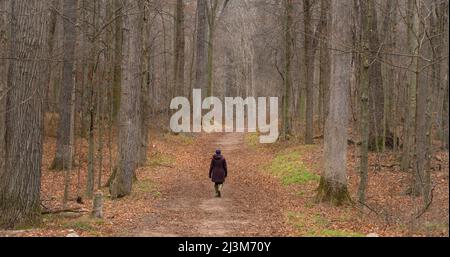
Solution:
(166, 165)
(428, 204)
(45, 207)
(370, 208)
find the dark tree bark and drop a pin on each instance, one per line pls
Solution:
(117, 76)
(146, 85)
(287, 83)
(390, 41)
(422, 178)
(211, 15)
(445, 111)
(4, 63)
(425, 86)
(325, 65)
(230, 86)
(376, 95)
(442, 76)
(50, 44)
(20, 176)
(412, 22)
(309, 72)
(144, 122)
(179, 47)
(445, 114)
(63, 147)
(201, 47)
(364, 93)
(130, 100)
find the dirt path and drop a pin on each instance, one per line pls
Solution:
(189, 208)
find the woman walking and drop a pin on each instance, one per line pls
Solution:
(218, 172)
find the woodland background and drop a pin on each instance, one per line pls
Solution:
(85, 89)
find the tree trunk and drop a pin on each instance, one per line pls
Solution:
(201, 47)
(63, 148)
(445, 109)
(130, 101)
(376, 95)
(54, 41)
(144, 108)
(422, 152)
(325, 66)
(50, 44)
(72, 99)
(211, 35)
(91, 158)
(79, 85)
(179, 47)
(143, 123)
(364, 92)
(408, 145)
(20, 176)
(100, 126)
(389, 37)
(309, 72)
(421, 168)
(166, 68)
(118, 37)
(93, 85)
(286, 130)
(97, 205)
(444, 82)
(444, 118)
(4, 64)
(333, 183)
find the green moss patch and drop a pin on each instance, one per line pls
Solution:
(252, 140)
(291, 170)
(316, 225)
(146, 186)
(82, 224)
(160, 159)
(337, 233)
(180, 138)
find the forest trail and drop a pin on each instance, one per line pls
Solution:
(189, 208)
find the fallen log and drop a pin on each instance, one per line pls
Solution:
(76, 210)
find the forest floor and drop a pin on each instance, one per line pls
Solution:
(190, 207)
(269, 192)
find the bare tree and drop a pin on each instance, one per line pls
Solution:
(308, 60)
(64, 133)
(287, 83)
(118, 37)
(333, 183)
(214, 13)
(179, 48)
(20, 175)
(3, 74)
(130, 101)
(325, 66)
(364, 95)
(376, 95)
(201, 46)
(412, 23)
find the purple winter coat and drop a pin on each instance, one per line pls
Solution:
(218, 169)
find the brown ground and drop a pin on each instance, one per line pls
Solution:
(190, 208)
(174, 197)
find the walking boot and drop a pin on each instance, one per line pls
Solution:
(220, 190)
(216, 187)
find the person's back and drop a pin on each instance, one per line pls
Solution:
(218, 172)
